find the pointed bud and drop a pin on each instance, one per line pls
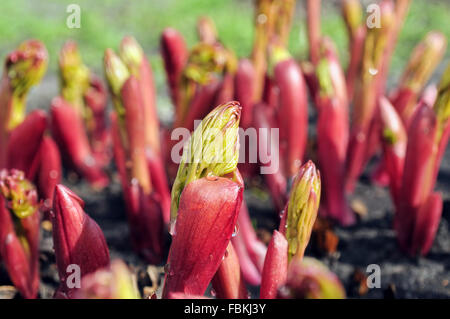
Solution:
(113, 282)
(49, 171)
(330, 73)
(206, 221)
(134, 100)
(131, 54)
(175, 55)
(134, 58)
(394, 140)
(116, 73)
(212, 149)
(418, 159)
(275, 266)
(394, 133)
(228, 282)
(302, 209)
(332, 133)
(292, 111)
(77, 238)
(134, 129)
(310, 279)
(423, 61)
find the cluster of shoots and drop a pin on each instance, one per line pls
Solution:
(137, 148)
(200, 201)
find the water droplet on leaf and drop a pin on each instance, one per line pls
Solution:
(172, 230)
(236, 231)
(373, 71)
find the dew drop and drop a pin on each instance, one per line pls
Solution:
(226, 253)
(235, 231)
(9, 238)
(53, 174)
(262, 18)
(213, 293)
(172, 230)
(89, 161)
(360, 137)
(212, 178)
(373, 71)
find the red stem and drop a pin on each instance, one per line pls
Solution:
(275, 266)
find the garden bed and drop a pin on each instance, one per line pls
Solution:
(370, 241)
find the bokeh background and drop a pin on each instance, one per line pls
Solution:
(103, 25)
(105, 22)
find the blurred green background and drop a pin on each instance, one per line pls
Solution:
(105, 22)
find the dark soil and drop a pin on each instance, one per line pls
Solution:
(370, 241)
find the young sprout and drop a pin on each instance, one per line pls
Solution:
(302, 209)
(213, 149)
